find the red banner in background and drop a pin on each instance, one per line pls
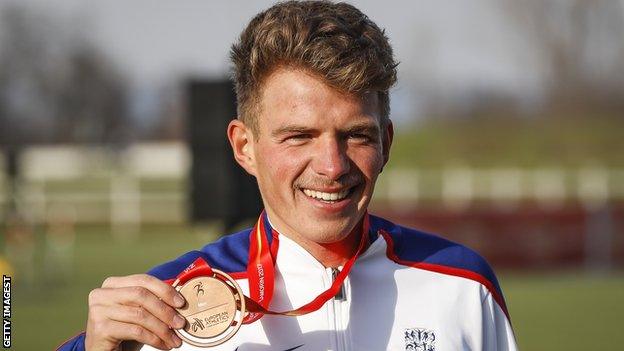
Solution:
(526, 235)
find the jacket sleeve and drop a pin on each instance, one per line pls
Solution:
(498, 334)
(74, 344)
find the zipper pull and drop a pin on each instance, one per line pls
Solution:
(341, 295)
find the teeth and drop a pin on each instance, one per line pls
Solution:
(326, 196)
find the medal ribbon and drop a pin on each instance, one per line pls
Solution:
(261, 261)
(261, 276)
(198, 268)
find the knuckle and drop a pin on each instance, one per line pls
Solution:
(152, 339)
(93, 296)
(164, 309)
(137, 332)
(140, 293)
(162, 331)
(139, 314)
(143, 278)
(108, 281)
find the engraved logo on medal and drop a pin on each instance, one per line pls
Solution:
(214, 309)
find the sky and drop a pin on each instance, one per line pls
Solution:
(441, 46)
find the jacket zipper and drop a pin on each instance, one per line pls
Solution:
(341, 295)
(338, 301)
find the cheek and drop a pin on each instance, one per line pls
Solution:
(369, 162)
(281, 166)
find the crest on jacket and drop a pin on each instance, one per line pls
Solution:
(419, 339)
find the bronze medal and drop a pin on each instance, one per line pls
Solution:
(215, 305)
(214, 309)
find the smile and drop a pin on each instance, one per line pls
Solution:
(319, 195)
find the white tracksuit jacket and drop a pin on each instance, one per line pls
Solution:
(408, 291)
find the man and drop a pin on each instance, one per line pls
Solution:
(312, 81)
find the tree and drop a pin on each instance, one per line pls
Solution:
(55, 86)
(580, 45)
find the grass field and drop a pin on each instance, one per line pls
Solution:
(550, 311)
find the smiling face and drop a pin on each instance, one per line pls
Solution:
(316, 155)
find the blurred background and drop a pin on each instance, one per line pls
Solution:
(509, 120)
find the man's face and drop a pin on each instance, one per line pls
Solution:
(317, 155)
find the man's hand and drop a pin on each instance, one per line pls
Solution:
(135, 307)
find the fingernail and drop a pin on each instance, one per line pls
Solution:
(179, 321)
(179, 300)
(177, 342)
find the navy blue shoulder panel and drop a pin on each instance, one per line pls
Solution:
(420, 247)
(229, 254)
(77, 343)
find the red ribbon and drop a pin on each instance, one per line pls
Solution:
(261, 275)
(198, 268)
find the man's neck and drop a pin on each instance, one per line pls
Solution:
(330, 255)
(333, 255)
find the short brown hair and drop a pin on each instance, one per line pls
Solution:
(334, 41)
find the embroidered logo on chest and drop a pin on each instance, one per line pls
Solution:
(419, 339)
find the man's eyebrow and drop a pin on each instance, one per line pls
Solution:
(363, 128)
(291, 129)
(370, 128)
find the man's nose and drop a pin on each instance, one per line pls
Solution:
(331, 159)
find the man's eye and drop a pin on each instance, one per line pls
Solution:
(361, 137)
(298, 138)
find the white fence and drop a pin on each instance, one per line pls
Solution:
(145, 183)
(459, 187)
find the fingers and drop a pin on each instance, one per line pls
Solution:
(137, 307)
(140, 317)
(145, 300)
(128, 331)
(162, 290)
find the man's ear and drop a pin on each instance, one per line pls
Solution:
(387, 141)
(241, 139)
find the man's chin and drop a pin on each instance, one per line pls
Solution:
(331, 231)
